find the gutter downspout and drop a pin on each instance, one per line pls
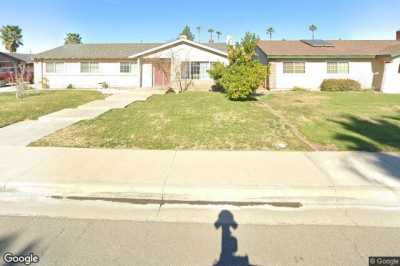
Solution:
(383, 76)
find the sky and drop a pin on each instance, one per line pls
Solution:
(45, 22)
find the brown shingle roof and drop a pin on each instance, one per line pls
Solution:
(350, 48)
(105, 50)
(27, 58)
(393, 50)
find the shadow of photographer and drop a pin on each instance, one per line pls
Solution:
(229, 243)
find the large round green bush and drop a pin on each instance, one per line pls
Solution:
(241, 80)
(340, 85)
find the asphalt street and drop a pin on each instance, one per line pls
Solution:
(71, 241)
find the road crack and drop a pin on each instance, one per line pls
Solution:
(167, 173)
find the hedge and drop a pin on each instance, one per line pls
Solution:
(340, 85)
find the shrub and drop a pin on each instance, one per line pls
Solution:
(296, 88)
(3, 82)
(170, 90)
(104, 85)
(70, 86)
(45, 83)
(216, 72)
(241, 80)
(340, 85)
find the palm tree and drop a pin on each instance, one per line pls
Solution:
(211, 31)
(12, 37)
(218, 35)
(73, 38)
(270, 30)
(313, 28)
(198, 28)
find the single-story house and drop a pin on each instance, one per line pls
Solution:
(12, 63)
(306, 63)
(15, 59)
(129, 65)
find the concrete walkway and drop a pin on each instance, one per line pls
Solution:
(25, 132)
(211, 176)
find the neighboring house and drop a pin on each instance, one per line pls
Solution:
(14, 59)
(11, 62)
(131, 65)
(306, 63)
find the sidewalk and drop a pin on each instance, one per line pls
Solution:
(25, 132)
(210, 176)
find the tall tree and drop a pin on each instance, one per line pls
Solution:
(11, 36)
(198, 28)
(218, 34)
(313, 28)
(73, 38)
(188, 33)
(270, 30)
(211, 31)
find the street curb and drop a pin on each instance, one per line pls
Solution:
(327, 196)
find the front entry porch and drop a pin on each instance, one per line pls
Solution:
(154, 73)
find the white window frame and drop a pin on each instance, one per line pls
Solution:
(190, 72)
(131, 67)
(295, 69)
(93, 67)
(328, 71)
(56, 67)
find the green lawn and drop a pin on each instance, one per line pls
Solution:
(367, 121)
(201, 120)
(191, 120)
(34, 104)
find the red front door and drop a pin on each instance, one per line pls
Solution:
(161, 74)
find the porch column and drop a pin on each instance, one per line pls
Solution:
(139, 62)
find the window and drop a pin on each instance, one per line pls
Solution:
(204, 67)
(53, 67)
(338, 67)
(294, 67)
(185, 66)
(127, 67)
(89, 67)
(195, 70)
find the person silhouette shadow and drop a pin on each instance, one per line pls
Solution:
(229, 243)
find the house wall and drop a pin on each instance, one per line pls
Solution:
(185, 52)
(108, 72)
(316, 72)
(391, 78)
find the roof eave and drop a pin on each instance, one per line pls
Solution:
(321, 56)
(12, 57)
(176, 42)
(80, 58)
